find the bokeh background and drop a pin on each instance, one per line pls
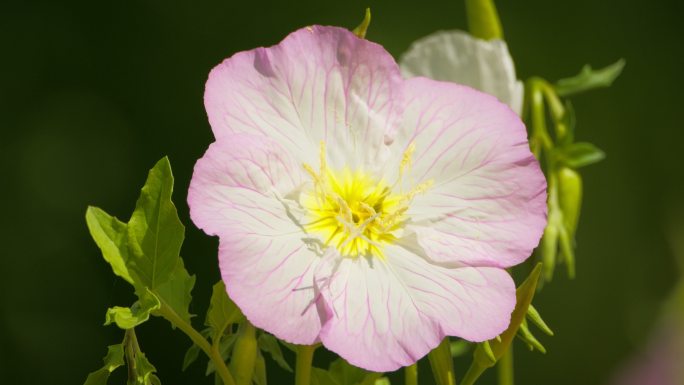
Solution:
(93, 93)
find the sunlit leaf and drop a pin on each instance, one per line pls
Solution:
(113, 360)
(111, 236)
(589, 78)
(155, 233)
(129, 317)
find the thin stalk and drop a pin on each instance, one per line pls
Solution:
(505, 367)
(200, 341)
(303, 366)
(411, 375)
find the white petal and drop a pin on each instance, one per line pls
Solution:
(458, 57)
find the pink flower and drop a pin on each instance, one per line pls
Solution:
(371, 213)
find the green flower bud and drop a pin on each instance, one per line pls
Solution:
(570, 197)
(244, 355)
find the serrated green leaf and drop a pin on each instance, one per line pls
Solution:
(144, 372)
(113, 360)
(155, 233)
(579, 154)
(139, 312)
(222, 311)
(270, 345)
(111, 236)
(176, 292)
(589, 78)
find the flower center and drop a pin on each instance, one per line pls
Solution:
(354, 212)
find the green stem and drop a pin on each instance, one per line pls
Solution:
(473, 373)
(411, 374)
(483, 20)
(442, 363)
(304, 360)
(505, 367)
(168, 313)
(244, 354)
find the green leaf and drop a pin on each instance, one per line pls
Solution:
(322, 377)
(579, 154)
(222, 311)
(155, 233)
(129, 317)
(113, 360)
(589, 79)
(144, 372)
(270, 345)
(361, 30)
(110, 235)
(345, 374)
(190, 356)
(176, 292)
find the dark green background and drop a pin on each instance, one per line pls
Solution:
(93, 93)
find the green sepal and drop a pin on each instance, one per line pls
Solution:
(139, 312)
(155, 233)
(589, 79)
(362, 28)
(270, 345)
(260, 370)
(489, 352)
(570, 197)
(483, 19)
(110, 235)
(580, 154)
(113, 360)
(534, 316)
(529, 339)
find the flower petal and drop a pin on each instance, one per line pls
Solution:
(474, 303)
(487, 206)
(458, 57)
(384, 314)
(319, 83)
(238, 191)
(370, 319)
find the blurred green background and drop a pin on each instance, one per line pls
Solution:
(93, 93)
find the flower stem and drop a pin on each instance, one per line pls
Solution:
(411, 375)
(303, 368)
(221, 368)
(442, 363)
(483, 20)
(505, 367)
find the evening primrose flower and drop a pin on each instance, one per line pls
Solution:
(458, 57)
(373, 214)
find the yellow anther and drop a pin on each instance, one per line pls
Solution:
(324, 163)
(407, 158)
(420, 189)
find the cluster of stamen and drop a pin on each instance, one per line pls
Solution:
(355, 212)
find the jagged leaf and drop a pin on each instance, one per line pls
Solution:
(113, 360)
(155, 233)
(111, 237)
(270, 345)
(222, 311)
(589, 78)
(139, 312)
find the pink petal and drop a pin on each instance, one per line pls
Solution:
(238, 192)
(319, 83)
(371, 321)
(487, 206)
